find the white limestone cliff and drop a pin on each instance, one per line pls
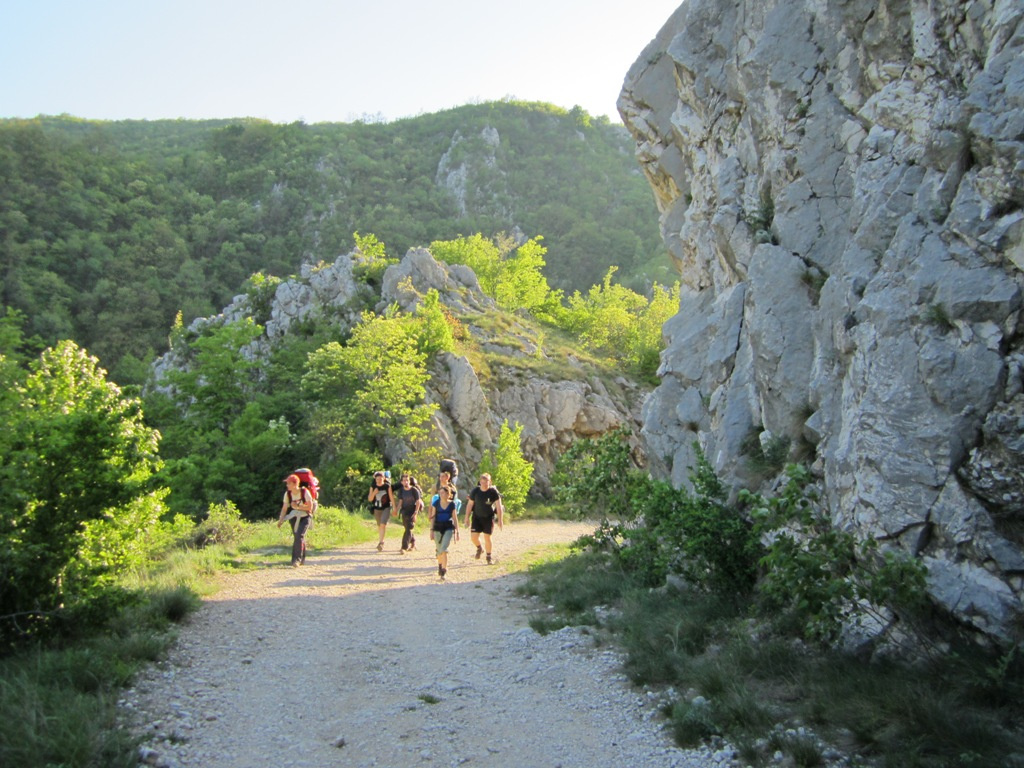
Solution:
(841, 183)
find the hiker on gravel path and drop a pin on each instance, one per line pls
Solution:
(444, 524)
(380, 504)
(409, 499)
(297, 510)
(447, 474)
(484, 508)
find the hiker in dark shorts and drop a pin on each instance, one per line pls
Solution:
(483, 510)
(409, 500)
(380, 504)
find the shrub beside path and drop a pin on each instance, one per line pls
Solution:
(364, 658)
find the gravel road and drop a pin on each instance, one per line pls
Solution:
(364, 658)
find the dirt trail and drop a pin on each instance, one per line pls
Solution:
(364, 658)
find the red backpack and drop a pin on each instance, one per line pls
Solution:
(308, 481)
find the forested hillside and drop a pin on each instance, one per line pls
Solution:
(109, 229)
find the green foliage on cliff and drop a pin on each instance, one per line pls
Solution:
(111, 228)
(508, 469)
(610, 320)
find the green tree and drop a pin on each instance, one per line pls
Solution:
(370, 391)
(613, 320)
(372, 258)
(604, 318)
(820, 577)
(512, 276)
(645, 341)
(476, 252)
(593, 477)
(522, 285)
(434, 329)
(510, 472)
(220, 380)
(222, 441)
(77, 451)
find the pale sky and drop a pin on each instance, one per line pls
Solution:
(315, 60)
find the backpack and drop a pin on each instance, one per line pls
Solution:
(449, 466)
(308, 481)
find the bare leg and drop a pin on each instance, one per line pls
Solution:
(474, 536)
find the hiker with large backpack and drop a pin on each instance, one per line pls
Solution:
(447, 474)
(444, 526)
(298, 507)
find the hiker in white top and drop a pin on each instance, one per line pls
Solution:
(296, 509)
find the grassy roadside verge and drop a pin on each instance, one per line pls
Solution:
(776, 699)
(58, 702)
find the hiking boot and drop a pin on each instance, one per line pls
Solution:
(380, 547)
(401, 551)
(440, 571)
(489, 561)
(479, 551)
(443, 573)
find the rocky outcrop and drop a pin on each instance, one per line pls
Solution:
(294, 301)
(841, 183)
(470, 172)
(554, 412)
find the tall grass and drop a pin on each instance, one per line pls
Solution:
(759, 689)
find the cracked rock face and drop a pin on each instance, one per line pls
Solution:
(841, 183)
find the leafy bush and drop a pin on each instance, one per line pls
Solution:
(113, 544)
(511, 474)
(434, 327)
(719, 545)
(723, 640)
(261, 290)
(613, 320)
(372, 260)
(660, 529)
(820, 576)
(74, 451)
(223, 525)
(592, 477)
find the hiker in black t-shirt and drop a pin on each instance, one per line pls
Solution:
(484, 509)
(380, 504)
(409, 499)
